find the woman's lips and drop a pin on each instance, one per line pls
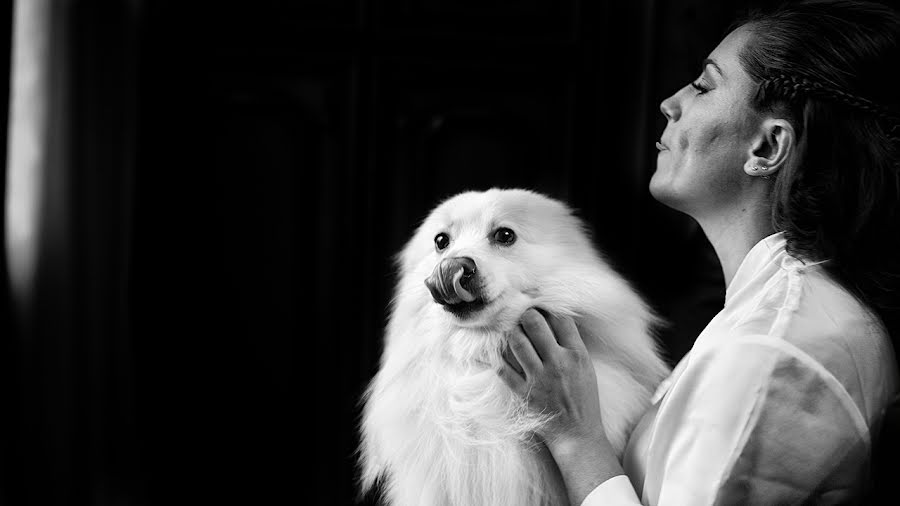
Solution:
(660, 146)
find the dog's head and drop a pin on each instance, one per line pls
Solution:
(481, 258)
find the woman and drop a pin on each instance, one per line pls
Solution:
(786, 152)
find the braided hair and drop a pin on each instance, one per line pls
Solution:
(793, 88)
(826, 66)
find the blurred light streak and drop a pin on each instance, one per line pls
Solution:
(30, 141)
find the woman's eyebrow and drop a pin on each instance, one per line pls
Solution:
(710, 61)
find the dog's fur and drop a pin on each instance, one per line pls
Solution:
(439, 427)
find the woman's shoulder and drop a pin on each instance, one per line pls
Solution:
(848, 339)
(809, 316)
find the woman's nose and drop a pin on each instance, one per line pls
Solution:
(670, 109)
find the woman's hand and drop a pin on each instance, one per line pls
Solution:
(548, 364)
(555, 376)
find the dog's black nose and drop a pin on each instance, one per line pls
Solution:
(468, 266)
(451, 281)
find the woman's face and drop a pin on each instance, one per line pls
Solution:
(708, 137)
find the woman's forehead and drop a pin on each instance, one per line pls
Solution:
(725, 58)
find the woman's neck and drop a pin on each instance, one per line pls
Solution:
(732, 235)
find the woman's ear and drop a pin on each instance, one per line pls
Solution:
(771, 148)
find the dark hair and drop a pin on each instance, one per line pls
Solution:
(828, 66)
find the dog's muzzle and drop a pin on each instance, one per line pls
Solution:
(453, 281)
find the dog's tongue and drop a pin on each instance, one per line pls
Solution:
(445, 282)
(461, 292)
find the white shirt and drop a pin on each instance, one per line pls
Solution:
(776, 402)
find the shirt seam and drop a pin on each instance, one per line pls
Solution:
(830, 380)
(789, 304)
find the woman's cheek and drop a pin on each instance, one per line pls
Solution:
(706, 140)
(683, 143)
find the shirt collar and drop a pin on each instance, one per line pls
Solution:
(763, 254)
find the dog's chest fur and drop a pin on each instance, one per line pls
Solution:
(457, 434)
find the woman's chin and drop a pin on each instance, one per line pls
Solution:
(661, 187)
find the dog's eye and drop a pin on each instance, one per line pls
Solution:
(441, 240)
(504, 236)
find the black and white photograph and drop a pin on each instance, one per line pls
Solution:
(449, 252)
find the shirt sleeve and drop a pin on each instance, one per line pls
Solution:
(616, 491)
(755, 421)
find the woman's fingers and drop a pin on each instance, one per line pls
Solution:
(539, 333)
(511, 360)
(515, 381)
(566, 332)
(524, 353)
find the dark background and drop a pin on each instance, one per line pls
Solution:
(241, 173)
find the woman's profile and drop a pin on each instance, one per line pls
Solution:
(786, 151)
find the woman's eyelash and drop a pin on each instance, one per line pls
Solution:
(700, 88)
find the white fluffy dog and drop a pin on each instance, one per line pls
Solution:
(439, 427)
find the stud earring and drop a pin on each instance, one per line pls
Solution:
(756, 169)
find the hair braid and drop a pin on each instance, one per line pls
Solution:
(793, 87)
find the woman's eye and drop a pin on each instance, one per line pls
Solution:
(504, 236)
(700, 88)
(441, 241)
